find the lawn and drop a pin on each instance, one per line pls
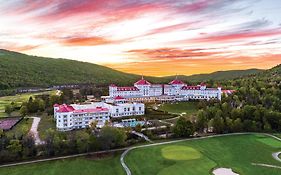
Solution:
(22, 128)
(185, 108)
(17, 99)
(201, 156)
(77, 166)
(46, 122)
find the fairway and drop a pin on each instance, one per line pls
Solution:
(18, 99)
(76, 166)
(202, 156)
(180, 107)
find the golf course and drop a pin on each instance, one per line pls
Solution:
(195, 157)
(192, 157)
(180, 107)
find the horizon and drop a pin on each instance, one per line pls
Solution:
(147, 37)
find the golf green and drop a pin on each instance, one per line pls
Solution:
(180, 153)
(195, 157)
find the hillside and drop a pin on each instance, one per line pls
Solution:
(219, 75)
(20, 70)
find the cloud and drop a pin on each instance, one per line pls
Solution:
(238, 36)
(163, 54)
(86, 41)
(18, 47)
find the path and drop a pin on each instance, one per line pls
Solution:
(142, 136)
(165, 122)
(276, 156)
(266, 165)
(34, 131)
(128, 171)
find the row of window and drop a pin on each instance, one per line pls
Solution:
(128, 113)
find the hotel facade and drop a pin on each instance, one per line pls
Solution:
(176, 90)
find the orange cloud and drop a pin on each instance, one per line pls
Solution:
(86, 41)
(173, 53)
(239, 36)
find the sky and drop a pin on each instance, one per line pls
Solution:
(148, 37)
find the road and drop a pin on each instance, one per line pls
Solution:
(34, 131)
(128, 171)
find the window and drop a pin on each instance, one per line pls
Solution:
(139, 108)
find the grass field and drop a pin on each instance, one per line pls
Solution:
(78, 166)
(180, 107)
(201, 156)
(22, 128)
(190, 157)
(46, 122)
(17, 99)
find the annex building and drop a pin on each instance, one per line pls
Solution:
(76, 116)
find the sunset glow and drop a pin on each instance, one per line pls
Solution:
(147, 37)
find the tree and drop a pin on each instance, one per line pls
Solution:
(23, 111)
(8, 109)
(218, 123)
(111, 137)
(15, 147)
(82, 140)
(237, 125)
(202, 121)
(1, 133)
(138, 128)
(183, 128)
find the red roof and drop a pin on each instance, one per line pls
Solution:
(228, 91)
(190, 88)
(176, 81)
(142, 82)
(56, 105)
(91, 110)
(202, 84)
(131, 88)
(119, 98)
(65, 108)
(112, 85)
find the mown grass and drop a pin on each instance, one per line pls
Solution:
(186, 108)
(236, 152)
(196, 157)
(46, 122)
(77, 166)
(18, 100)
(22, 128)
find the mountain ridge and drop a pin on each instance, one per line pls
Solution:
(21, 70)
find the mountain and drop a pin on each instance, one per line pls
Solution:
(20, 70)
(219, 75)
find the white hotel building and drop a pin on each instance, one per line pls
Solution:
(176, 90)
(74, 116)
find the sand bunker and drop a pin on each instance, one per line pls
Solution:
(224, 171)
